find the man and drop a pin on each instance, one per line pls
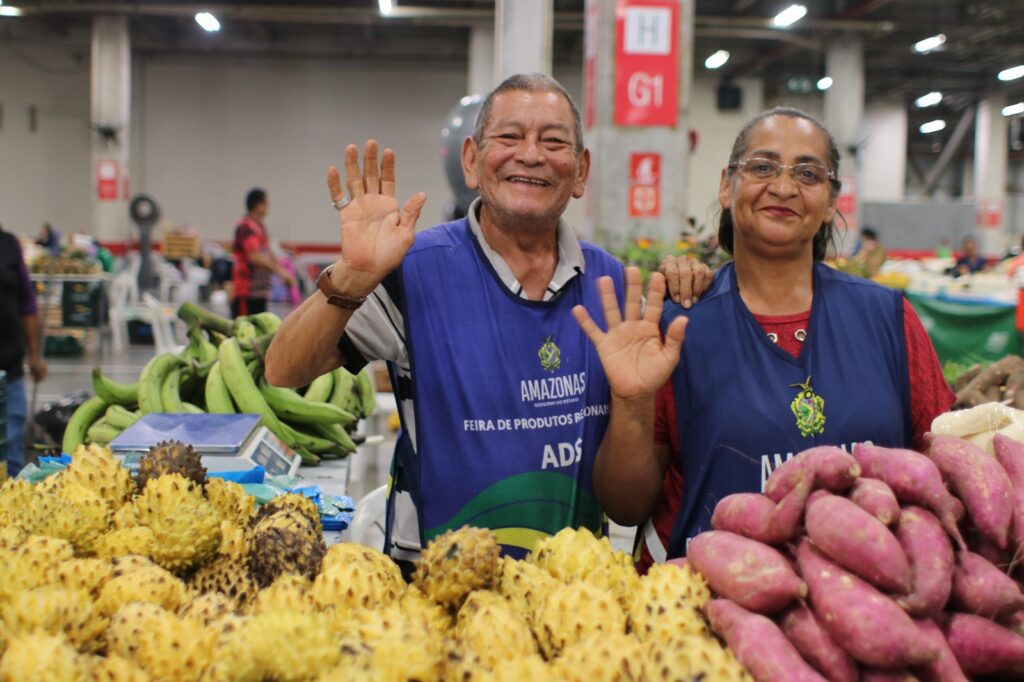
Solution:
(970, 262)
(870, 256)
(18, 312)
(254, 261)
(503, 402)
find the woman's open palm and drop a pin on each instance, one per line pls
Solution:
(635, 358)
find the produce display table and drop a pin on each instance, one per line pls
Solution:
(968, 330)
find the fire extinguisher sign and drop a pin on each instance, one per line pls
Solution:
(645, 185)
(647, 62)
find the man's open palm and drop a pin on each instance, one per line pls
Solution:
(636, 360)
(375, 235)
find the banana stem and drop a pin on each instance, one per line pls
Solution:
(192, 314)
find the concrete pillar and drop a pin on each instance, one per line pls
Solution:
(844, 116)
(524, 30)
(884, 153)
(639, 173)
(111, 112)
(990, 157)
(481, 60)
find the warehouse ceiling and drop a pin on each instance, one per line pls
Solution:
(982, 36)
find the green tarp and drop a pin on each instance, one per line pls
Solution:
(968, 333)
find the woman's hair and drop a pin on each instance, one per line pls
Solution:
(826, 233)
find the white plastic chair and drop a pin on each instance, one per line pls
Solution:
(368, 523)
(123, 307)
(161, 316)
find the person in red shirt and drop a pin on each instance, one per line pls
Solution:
(254, 263)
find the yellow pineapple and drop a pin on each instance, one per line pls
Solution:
(41, 657)
(456, 563)
(577, 611)
(162, 644)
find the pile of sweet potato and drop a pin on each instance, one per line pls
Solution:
(881, 565)
(1001, 381)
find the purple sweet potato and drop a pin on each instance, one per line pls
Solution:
(858, 542)
(982, 589)
(748, 572)
(944, 668)
(873, 675)
(756, 517)
(979, 480)
(914, 479)
(863, 621)
(930, 554)
(758, 644)
(876, 498)
(833, 470)
(982, 647)
(1010, 455)
(803, 630)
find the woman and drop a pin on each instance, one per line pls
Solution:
(781, 354)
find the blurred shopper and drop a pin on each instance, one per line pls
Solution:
(19, 342)
(782, 353)
(871, 255)
(49, 239)
(969, 262)
(255, 263)
(474, 319)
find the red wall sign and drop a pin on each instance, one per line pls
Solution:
(645, 185)
(989, 214)
(107, 175)
(846, 203)
(647, 62)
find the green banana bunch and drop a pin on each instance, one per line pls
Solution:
(309, 442)
(82, 418)
(218, 398)
(244, 330)
(320, 390)
(152, 380)
(191, 408)
(102, 432)
(366, 390)
(288, 404)
(248, 398)
(342, 392)
(113, 392)
(193, 316)
(170, 392)
(118, 416)
(265, 323)
(199, 347)
(337, 435)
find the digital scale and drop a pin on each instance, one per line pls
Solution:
(225, 442)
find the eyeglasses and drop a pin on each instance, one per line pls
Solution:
(764, 170)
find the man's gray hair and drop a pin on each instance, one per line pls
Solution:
(528, 82)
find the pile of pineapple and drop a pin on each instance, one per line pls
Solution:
(173, 576)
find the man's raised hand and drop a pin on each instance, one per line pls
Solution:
(375, 234)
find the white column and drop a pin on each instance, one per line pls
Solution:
(611, 200)
(524, 30)
(844, 117)
(990, 156)
(111, 110)
(884, 152)
(481, 60)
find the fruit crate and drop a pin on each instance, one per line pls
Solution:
(179, 243)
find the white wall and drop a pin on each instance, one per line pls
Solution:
(883, 152)
(716, 131)
(44, 175)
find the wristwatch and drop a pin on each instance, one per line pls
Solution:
(333, 295)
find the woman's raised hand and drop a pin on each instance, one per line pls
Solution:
(635, 358)
(375, 235)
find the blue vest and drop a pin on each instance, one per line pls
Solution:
(744, 406)
(511, 401)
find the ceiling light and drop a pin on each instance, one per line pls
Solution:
(932, 126)
(1013, 109)
(929, 100)
(208, 22)
(717, 60)
(1011, 74)
(385, 7)
(825, 83)
(10, 11)
(929, 44)
(789, 16)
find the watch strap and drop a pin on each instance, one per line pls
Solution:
(335, 296)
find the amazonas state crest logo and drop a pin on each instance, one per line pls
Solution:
(809, 410)
(550, 356)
